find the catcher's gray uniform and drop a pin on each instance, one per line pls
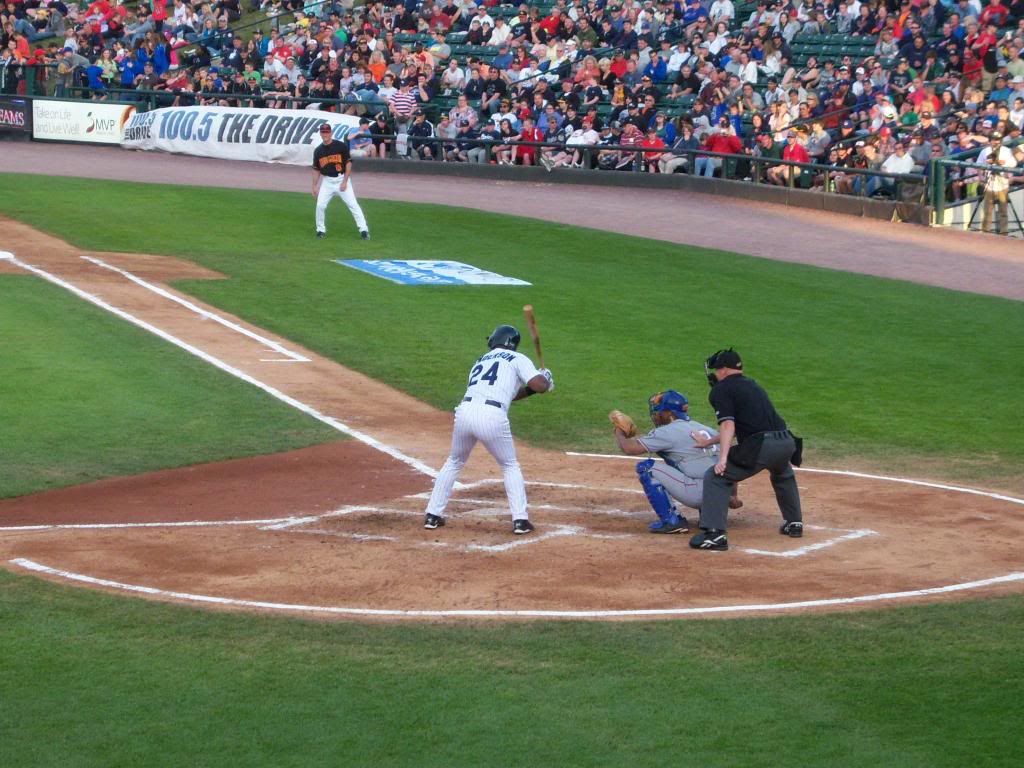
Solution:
(682, 474)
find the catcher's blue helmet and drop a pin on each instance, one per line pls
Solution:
(504, 336)
(672, 401)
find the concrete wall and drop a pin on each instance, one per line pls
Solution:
(801, 198)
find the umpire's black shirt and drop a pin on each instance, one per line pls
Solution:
(741, 400)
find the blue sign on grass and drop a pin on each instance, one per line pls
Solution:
(424, 272)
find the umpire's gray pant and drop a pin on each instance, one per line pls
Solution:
(774, 456)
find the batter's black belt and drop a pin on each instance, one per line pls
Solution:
(495, 403)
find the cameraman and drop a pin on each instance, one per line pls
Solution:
(997, 183)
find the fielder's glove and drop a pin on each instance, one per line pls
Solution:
(623, 422)
(551, 380)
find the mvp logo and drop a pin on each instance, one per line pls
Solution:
(103, 126)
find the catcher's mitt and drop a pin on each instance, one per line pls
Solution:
(623, 422)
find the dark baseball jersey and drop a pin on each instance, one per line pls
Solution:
(331, 159)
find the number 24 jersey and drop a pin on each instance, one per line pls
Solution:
(499, 375)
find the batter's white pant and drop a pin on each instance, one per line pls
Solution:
(688, 491)
(329, 187)
(478, 421)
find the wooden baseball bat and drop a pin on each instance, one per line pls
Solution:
(531, 322)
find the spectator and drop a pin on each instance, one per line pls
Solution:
(722, 140)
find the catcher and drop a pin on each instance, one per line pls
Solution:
(681, 477)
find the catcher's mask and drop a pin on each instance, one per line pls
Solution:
(723, 358)
(671, 401)
(504, 336)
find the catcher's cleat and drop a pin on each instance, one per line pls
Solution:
(794, 530)
(320, 235)
(675, 524)
(365, 235)
(519, 527)
(430, 522)
(711, 539)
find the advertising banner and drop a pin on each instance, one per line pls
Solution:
(269, 135)
(15, 114)
(94, 122)
(423, 272)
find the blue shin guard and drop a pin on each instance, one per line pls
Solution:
(669, 521)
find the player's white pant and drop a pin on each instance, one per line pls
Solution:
(329, 187)
(688, 491)
(488, 424)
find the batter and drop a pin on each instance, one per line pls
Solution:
(332, 169)
(495, 381)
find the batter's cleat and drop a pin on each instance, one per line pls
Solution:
(712, 539)
(365, 235)
(675, 524)
(320, 235)
(430, 522)
(519, 527)
(793, 530)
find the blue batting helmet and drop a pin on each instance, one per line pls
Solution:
(672, 401)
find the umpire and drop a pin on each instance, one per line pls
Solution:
(764, 442)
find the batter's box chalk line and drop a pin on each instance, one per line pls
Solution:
(544, 532)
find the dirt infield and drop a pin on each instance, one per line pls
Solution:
(336, 529)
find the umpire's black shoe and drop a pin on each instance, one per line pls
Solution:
(365, 235)
(519, 527)
(430, 522)
(712, 539)
(320, 235)
(794, 530)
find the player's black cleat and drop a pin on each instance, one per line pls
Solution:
(519, 527)
(430, 522)
(320, 235)
(712, 539)
(794, 530)
(365, 235)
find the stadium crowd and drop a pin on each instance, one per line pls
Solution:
(463, 82)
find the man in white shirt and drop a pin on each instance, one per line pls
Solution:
(501, 32)
(722, 10)
(997, 187)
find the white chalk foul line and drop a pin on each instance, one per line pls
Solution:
(863, 475)
(31, 565)
(309, 410)
(180, 524)
(293, 357)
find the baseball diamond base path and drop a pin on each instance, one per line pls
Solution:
(336, 530)
(946, 258)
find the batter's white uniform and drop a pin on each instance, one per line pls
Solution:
(494, 380)
(329, 187)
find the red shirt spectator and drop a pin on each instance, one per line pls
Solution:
(725, 143)
(994, 13)
(795, 151)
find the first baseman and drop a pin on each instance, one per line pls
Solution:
(495, 380)
(332, 171)
(681, 476)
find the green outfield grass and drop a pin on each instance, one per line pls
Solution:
(96, 680)
(871, 371)
(884, 371)
(86, 395)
